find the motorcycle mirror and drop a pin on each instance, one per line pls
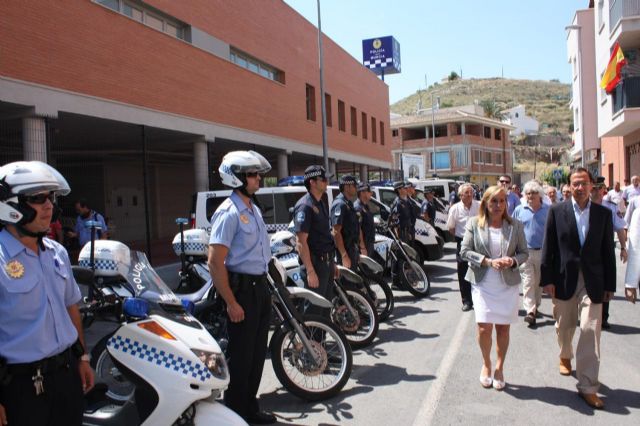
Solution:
(349, 275)
(82, 275)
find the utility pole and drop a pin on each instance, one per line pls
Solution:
(325, 148)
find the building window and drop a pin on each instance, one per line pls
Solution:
(443, 160)
(135, 13)
(394, 133)
(311, 102)
(498, 134)
(498, 158)
(354, 121)
(364, 126)
(138, 11)
(487, 157)
(477, 156)
(600, 12)
(381, 133)
(461, 156)
(458, 129)
(342, 121)
(373, 130)
(255, 65)
(487, 132)
(576, 123)
(327, 109)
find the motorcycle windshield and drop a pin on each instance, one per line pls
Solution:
(146, 283)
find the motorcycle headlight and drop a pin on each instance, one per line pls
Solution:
(214, 361)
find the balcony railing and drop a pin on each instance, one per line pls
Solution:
(621, 9)
(627, 94)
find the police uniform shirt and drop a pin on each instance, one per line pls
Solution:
(429, 208)
(35, 291)
(404, 211)
(312, 217)
(618, 222)
(243, 232)
(366, 222)
(343, 213)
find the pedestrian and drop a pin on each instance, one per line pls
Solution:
(552, 193)
(633, 190)
(402, 213)
(632, 275)
(579, 273)
(81, 231)
(428, 207)
(453, 195)
(44, 368)
(566, 192)
(367, 224)
(239, 256)
(513, 199)
(315, 244)
(55, 231)
(615, 196)
(346, 224)
(533, 216)
(516, 190)
(459, 215)
(598, 196)
(494, 245)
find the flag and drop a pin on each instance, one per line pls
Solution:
(611, 76)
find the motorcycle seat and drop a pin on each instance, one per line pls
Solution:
(197, 295)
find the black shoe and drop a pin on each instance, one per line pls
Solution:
(606, 325)
(261, 418)
(530, 319)
(466, 307)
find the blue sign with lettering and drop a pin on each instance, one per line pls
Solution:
(381, 55)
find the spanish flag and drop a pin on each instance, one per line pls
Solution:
(611, 76)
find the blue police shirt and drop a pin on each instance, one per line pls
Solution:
(35, 291)
(533, 223)
(243, 232)
(367, 223)
(84, 233)
(343, 213)
(618, 222)
(311, 216)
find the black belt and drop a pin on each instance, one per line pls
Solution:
(238, 280)
(539, 248)
(324, 257)
(46, 365)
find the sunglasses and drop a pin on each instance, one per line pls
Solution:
(252, 174)
(39, 198)
(505, 181)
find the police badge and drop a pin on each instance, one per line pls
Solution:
(14, 269)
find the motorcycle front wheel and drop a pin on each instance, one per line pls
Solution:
(299, 372)
(119, 388)
(381, 295)
(361, 329)
(415, 279)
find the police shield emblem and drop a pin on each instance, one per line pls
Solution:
(14, 269)
(244, 219)
(300, 217)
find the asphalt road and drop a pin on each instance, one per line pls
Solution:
(423, 369)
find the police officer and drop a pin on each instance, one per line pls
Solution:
(598, 196)
(43, 365)
(346, 224)
(367, 225)
(239, 255)
(403, 213)
(414, 202)
(314, 241)
(428, 207)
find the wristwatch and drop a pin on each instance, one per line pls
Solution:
(85, 358)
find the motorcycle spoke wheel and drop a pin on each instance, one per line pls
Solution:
(416, 279)
(361, 330)
(382, 297)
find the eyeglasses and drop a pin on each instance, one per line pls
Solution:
(39, 198)
(252, 174)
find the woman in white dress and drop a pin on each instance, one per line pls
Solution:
(632, 276)
(494, 244)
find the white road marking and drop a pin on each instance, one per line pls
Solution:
(432, 399)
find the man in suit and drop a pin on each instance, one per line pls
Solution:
(579, 273)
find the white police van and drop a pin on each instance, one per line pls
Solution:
(276, 202)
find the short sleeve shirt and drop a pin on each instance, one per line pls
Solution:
(35, 291)
(84, 233)
(344, 214)
(242, 230)
(366, 222)
(311, 216)
(459, 215)
(404, 210)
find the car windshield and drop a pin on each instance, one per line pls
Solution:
(146, 283)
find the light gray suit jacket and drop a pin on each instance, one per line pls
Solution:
(475, 247)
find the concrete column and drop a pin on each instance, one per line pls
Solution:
(201, 165)
(283, 165)
(332, 168)
(34, 137)
(364, 173)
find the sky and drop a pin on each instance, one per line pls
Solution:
(524, 39)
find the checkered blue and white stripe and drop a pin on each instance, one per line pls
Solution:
(191, 247)
(287, 256)
(378, 63)
(277, 227)
(160, 358)
(105, 265)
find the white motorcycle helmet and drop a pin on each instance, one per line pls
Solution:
(25, 178)
(236, 164)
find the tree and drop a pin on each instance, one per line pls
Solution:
(492, 110)
(453, 76)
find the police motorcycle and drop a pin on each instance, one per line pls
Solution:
(352, 309)
(392, 251)
(177, 367)
(191, 246)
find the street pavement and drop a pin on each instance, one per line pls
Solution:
(423, 369)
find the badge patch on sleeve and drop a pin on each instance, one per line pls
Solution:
(300, 217)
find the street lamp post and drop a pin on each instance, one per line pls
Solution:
(578, 28)
(433, 133)
(325, 149)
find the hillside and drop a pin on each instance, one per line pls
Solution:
(546, 101)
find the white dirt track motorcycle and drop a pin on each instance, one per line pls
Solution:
(177, 367)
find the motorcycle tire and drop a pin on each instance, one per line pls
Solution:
(296, 370)
(360, 331)
(416, 281)
(119, 388)
(384, 300)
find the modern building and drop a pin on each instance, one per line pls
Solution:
(523, 123)
(468, 145)
(136, 102)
